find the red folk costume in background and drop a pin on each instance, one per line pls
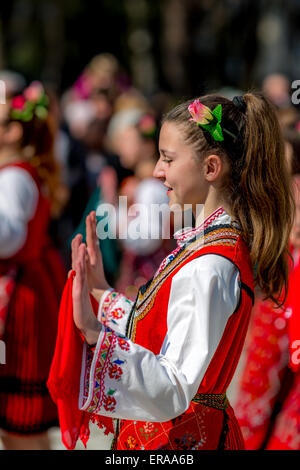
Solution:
(161, 366)
(32, 278)
(268, 402)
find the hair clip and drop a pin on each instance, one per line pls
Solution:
(209, 120)
(239, 102)
(147, 126)
(32, 102)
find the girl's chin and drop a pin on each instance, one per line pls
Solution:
(176, 206)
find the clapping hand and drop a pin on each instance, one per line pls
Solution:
(89, 278)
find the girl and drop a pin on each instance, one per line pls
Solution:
(31, 272)
(162, 364)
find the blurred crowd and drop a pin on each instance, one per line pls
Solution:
(105, 145)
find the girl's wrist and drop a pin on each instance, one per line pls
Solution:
(91, 332)
(98, 293)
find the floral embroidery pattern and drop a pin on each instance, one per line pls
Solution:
(115, 371)
(109, 402)
(117, 313)
(148, 430)
(108, 301)
(123, 343)
(89, 359)
(100, 367)
(186, 442)
(115, 307)
(106, 366)
(131, 443)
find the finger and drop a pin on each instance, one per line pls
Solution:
(90, 239)
(94, 232)
(82, 254)
(77, 242)
(88, 224)
(92, 222)
(80, 264)
(75, 245)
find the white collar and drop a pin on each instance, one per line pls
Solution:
(219, 216)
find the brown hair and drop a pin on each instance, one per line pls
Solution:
(37, 144)
(257, 187)
(292, 136)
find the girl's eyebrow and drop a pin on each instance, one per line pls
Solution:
(169, 152)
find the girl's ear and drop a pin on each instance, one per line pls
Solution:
(14, 133)
(213, 166)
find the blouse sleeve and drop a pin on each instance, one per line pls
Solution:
(18, 201)
(125, 380)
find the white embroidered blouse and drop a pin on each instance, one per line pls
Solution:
(18, 201)
(124, 380)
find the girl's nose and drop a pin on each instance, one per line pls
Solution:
(158, 171)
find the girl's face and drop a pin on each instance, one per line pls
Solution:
(179, 169)
(10, 132)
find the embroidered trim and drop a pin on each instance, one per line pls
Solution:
(189, 234)
(223, 235)
(110, 300)
(105, 365)
(101, 360)
(212, 400)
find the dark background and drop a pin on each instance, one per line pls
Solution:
(181, 46)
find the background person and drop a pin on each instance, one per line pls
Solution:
(31, 271)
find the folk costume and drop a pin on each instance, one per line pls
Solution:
(31, 278)
(162, 365)
(268, 402)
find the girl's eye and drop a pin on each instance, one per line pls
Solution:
(165, 160)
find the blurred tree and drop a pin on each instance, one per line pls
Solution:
(140, 41)
(186, 47)
(54, 39)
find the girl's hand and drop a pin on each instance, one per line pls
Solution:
(93, 258)
(94, 264)
(83, 314)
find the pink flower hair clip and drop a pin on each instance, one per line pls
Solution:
(209, 120)
(33, 102)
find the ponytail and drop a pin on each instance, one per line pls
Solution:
(264, 203)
